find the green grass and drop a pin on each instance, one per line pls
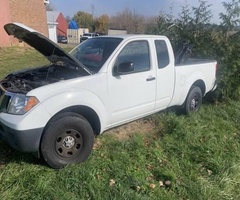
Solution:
(199, 154)
(15, 58)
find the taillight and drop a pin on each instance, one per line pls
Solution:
(216, 69)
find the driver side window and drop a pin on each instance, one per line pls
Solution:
(136, 52)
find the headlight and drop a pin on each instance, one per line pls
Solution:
(21, 104)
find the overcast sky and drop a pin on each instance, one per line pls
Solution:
(145, 7)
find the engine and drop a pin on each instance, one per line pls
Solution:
(23, 82)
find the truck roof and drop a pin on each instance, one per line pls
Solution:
(130, 36)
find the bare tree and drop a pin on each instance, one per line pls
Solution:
(68, 19)
(128, 19)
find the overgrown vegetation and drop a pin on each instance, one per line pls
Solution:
(209, 40)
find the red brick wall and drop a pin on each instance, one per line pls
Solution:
(62, 25)
(5, 18)
(32, 13)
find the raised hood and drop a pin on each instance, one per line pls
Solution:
(45, 46)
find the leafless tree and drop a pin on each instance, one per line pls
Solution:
(128, 19)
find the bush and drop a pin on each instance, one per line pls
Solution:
(209, 40)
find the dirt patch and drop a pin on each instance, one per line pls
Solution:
(143, 126)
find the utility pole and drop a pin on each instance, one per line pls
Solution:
(92, 8)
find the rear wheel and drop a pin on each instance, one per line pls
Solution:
(68, 139)
(193, 101)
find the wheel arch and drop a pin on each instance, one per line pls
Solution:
(200, 83)
(88, 113)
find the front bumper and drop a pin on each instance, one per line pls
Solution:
(24, 140)
(62, 41)
(214, 87)
(24, 132)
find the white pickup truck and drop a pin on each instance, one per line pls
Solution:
(104, 82)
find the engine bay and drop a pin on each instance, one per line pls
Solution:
(25, 81)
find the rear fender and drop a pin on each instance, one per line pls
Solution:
(185, 86)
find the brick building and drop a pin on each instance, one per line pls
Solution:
(29, 12)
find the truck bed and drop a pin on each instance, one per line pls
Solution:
(189, 72)
(194, 61)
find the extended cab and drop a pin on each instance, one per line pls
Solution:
(102, 83)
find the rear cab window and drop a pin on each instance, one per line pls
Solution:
(162, 53)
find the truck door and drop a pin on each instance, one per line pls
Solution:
(165, 73)
(132, 94)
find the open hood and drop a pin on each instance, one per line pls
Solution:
(45, 46)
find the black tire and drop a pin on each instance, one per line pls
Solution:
(193, 101)
(67, 139)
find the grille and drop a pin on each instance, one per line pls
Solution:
(5, 98)
(4, 103)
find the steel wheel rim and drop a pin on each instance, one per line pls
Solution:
(194, 103)
(68, 144)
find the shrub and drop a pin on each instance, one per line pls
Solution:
(209, 40)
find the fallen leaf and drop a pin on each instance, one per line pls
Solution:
(148, 179)
(138, 188)
(202, 169)
(161, 184)
(149, 167)
(167, 183)
(111, 182)
(209, 171)
(98, 177)
(152, 186)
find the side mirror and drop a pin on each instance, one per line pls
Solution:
(124, 68)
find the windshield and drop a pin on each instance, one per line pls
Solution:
(86, 34)
(93, 53)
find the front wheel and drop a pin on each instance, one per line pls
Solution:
(68, 139)
(193, 101)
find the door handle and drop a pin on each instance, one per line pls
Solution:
(150, 79)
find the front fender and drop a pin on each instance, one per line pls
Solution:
(69, 98)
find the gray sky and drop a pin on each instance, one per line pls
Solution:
(145, 7)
